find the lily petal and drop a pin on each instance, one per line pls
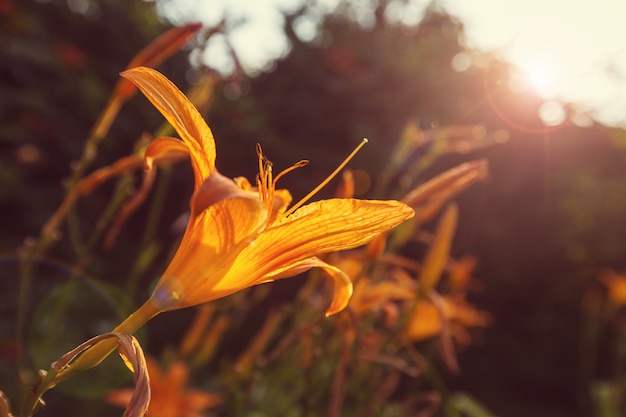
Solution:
(216, 188)
(225, 220)
(335, 224)
(317, 228)
(181, 114)
(343, 284)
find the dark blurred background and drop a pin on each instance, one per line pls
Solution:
(545, 222)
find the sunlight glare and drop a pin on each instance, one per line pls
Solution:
(567, 51)
(542, 77)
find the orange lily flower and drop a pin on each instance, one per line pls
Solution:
(238, 235)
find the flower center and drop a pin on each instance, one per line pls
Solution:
(266, 182)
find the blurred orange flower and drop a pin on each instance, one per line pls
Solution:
(616, 286)
(170, 397)
(460, 273)
(372, 296)
(238, 235)
(428, 319)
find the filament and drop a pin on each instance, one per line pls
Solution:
(327, 180)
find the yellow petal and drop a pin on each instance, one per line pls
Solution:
(320, 227)
(181, 114)
(216, 188)
(335, 224)
(225, 220)
(343, 287)
(342, 282)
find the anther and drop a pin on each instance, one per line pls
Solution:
(297, 165)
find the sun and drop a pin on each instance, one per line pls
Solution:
(541, 76)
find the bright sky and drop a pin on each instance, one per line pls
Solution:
(568, 50)
(572, 50)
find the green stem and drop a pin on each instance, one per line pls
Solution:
(90, 358)
(100, 351)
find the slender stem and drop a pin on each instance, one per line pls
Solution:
(149, 248)
(97, 134)
(47, 236)
(100, 351)
(89, 359)
(337, 393)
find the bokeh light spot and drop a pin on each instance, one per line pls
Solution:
(479, 132)
(501, 136)
(28, 154)
(461, 62)
(552, 113)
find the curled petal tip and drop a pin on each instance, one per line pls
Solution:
(343, 288)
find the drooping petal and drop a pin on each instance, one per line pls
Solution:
(225, 220)
(341, 280)
(181, 114)
(320, 227)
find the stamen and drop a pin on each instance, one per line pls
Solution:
(265, 183)
(297, 165)
(327, 180)
(259, 154)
